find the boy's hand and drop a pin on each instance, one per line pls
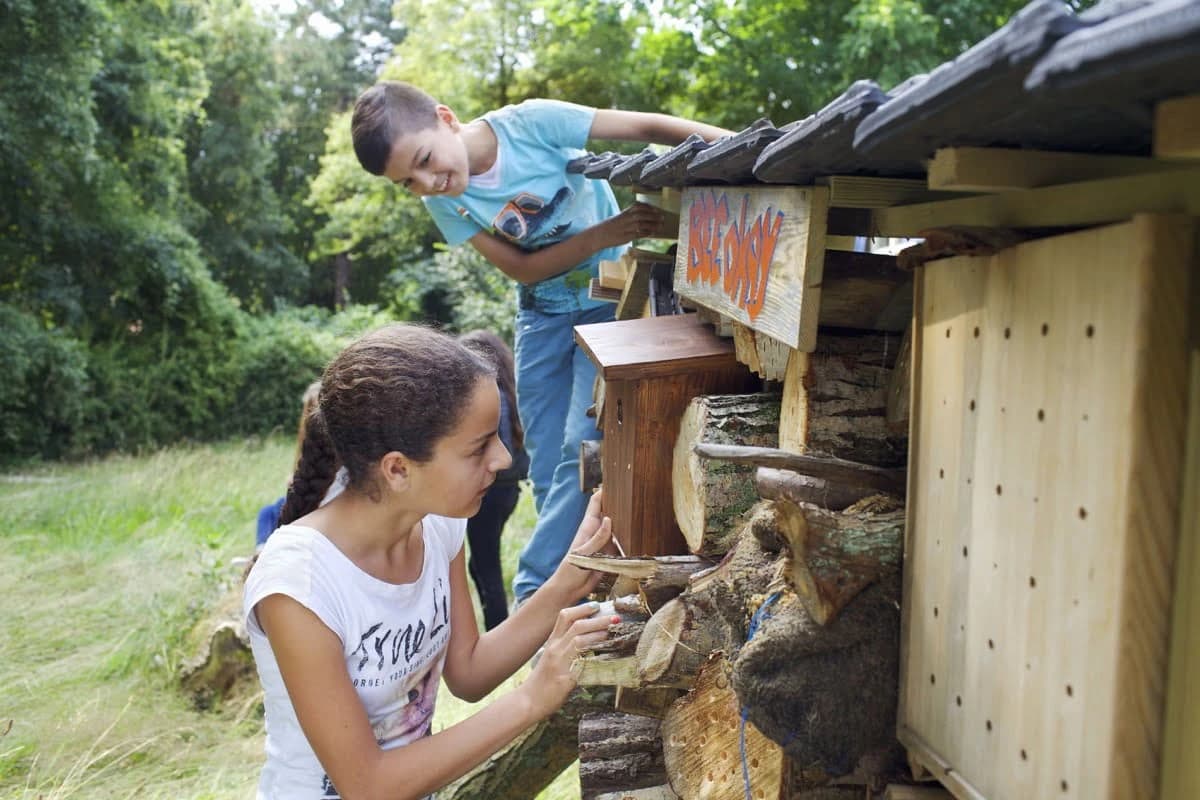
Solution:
(636, 222)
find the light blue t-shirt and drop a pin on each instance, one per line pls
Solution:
(534, 201)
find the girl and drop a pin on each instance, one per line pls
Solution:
(357, 607)
(484, 529)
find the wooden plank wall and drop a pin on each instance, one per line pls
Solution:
(1043, 511)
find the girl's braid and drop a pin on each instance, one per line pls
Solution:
(314, 472)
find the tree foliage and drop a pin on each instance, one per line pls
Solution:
(177, 180)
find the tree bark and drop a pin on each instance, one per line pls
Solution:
(658, 578)
(650, 793)
(529, 763)
(708, 495)
(711, 614)
(786, 484)
(619, 752)
(835, 555)
(590, 472)
(835, 400)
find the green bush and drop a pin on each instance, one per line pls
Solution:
(45, 380)
(280, 355)
(234, 375)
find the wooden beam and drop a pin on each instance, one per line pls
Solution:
(856, 191)
(1070, 205)
(636, 292)
(997, 169)
(897, 791)
(891, 481)
(1177, 128)
(1181, 769)
(613, 274)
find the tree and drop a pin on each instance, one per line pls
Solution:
(235, 213)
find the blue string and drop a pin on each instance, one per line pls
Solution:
(755, 620)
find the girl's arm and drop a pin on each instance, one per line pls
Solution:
(639, 126)
(476, 664)
(638, 220)
(335, 723)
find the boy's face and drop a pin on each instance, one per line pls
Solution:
(431, 161)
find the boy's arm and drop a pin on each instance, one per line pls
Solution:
(530, 267)
(639, 126)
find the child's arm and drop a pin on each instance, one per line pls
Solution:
(639, 126)
(638, 220)
(336, 725)
(477, 664)
(524, 266)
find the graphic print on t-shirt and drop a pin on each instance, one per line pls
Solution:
(526, 219)
(399, 664)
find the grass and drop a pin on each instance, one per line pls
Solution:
(105, 566)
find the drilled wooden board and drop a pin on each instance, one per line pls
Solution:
(1049, 400)
(711, 752)
(755, 254)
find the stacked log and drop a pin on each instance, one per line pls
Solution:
(780, 662)
(709, 496)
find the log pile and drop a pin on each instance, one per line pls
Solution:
(773, 649)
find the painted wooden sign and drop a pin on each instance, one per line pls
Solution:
(755, 254)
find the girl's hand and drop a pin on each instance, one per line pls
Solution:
(593, 536)
(576, 631)
(636, 222)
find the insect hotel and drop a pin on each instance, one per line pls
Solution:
(921, 522)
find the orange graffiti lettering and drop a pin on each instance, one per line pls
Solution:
(707, 216)
(738, 254)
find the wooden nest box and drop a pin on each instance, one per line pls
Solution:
(650, 370)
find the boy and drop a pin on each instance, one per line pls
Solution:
(500, 183)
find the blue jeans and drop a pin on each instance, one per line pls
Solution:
(554, 390)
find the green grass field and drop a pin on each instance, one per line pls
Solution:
(104, 569)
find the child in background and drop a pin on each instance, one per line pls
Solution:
(500, 183)
(355, 608)
(485, 528)
(268, 515)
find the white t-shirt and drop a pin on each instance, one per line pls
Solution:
(394, 639)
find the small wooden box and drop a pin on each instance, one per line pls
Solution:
(652, 368)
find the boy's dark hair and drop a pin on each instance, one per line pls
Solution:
(384, 113)
(400, 388)
(495, 350)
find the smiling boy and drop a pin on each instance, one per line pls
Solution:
(500, 183)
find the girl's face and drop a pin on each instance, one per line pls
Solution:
(465, 462)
